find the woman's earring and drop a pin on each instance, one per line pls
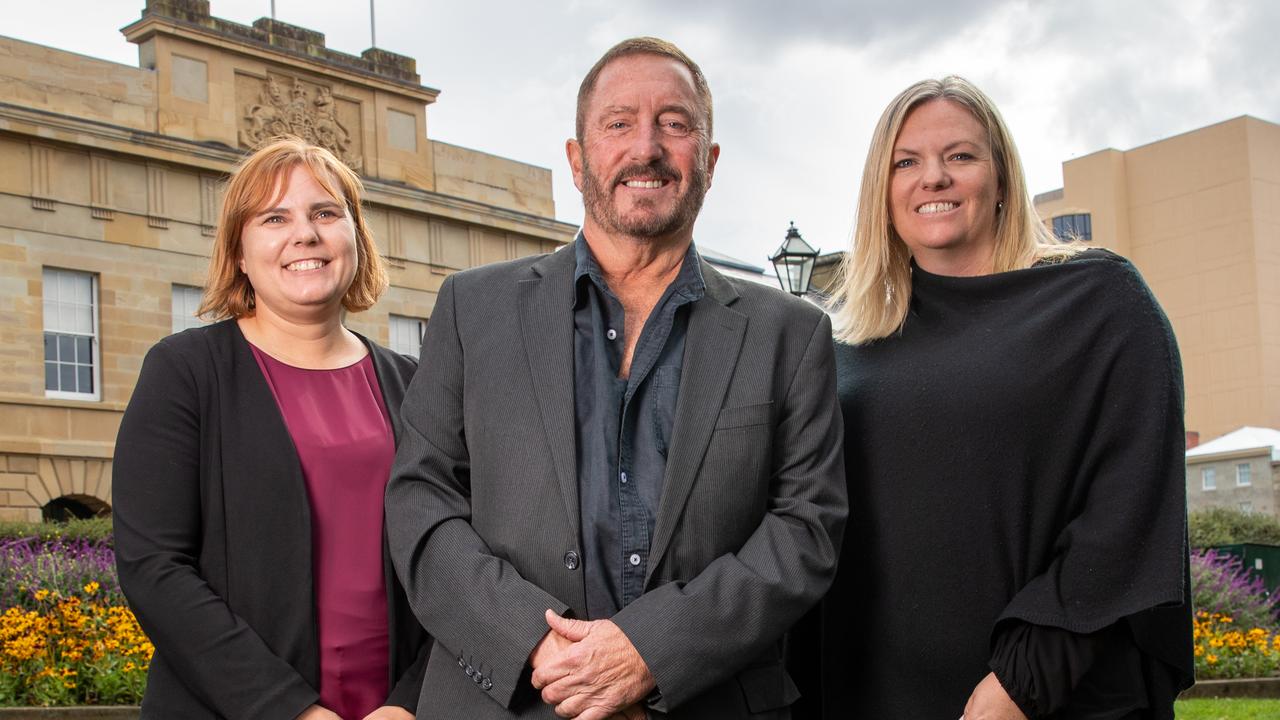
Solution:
(1000, 206)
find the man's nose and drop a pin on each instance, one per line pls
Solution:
(646, 143)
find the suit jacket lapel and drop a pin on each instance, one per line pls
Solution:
(710, 356)
(546, 321)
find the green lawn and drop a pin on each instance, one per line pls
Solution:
(1227, 709)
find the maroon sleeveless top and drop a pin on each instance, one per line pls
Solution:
(345, 443)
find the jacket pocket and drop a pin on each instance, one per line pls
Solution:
(745, 416)
(767, 687)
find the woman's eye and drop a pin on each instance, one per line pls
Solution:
(904, 163)
(962, 156)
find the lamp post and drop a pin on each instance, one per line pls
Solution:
(794, 263)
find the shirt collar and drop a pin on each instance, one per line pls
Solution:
(688, 283)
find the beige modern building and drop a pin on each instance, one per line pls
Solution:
(1240, 471)
(1199, 215)
(109, 187)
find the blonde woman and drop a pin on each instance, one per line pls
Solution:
(251, 464)
(1014, 443)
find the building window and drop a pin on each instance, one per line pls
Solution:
(1073, 227)
(1246, 507)
(1244, 474)
(186, 300)
(406, 334)
(70, 334)
(1208, 479)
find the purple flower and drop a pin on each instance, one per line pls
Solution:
(63, 566)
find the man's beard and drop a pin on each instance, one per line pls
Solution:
(598, 200)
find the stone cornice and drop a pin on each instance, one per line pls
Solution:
(43, 125)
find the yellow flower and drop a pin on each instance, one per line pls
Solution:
(1211, 659)
(91, 588)
(41, 594)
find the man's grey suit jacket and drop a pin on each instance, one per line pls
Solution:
(483, 515)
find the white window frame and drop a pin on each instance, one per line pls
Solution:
(1208, 479)
(398, 324)
(1244, 475)
(184, 316)
(51, 277)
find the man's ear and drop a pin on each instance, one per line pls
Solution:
(713, 156)
(573, 151)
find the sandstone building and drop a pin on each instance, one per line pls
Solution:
(109, 189)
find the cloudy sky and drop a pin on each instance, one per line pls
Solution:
(798, 86)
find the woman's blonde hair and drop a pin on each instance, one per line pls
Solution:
(227, 292)
(874, 291)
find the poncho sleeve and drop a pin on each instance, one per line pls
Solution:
(1122, 552)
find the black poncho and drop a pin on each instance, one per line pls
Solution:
(1015, 459)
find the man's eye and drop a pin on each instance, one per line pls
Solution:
(617, 125)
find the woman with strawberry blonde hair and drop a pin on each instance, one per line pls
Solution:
(1014, 447)
(251, 464)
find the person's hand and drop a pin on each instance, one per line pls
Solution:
(551, 644)
(315, 712)
(989, 701)
(598, 676)
(389, 712)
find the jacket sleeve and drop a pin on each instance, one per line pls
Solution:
(694, 635)
(157, 518)
(437, 553)
(409, 686)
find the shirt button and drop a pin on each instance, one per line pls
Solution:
(624, 478)
(612, 334)
(635, 558)
(571, 560)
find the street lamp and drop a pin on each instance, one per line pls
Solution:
(794, 263)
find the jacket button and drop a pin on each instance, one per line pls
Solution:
(470, 671)
(487, 684)
(571, 560)
(478, 678)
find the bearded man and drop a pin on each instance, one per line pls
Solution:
(621, 477)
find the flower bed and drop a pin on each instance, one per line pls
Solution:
(66, 635)
(1235, 624)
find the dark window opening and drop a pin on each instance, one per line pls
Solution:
(75, 507)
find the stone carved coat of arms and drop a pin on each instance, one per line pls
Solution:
(312, 119)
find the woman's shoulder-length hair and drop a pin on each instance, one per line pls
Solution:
(874, 291)
(257, 181)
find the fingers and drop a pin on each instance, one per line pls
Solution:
(574, 630)
(549, 673)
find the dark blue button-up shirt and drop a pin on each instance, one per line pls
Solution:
(623, 425)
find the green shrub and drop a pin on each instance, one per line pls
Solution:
(92, 530)
(1224, 526)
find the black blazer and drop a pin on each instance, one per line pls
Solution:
(213, 536)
